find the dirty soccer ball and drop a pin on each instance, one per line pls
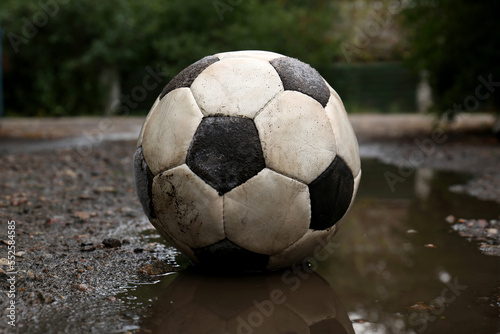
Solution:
(247, 161)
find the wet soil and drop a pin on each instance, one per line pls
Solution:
(77, 233)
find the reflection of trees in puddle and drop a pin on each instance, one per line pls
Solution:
(268, 303)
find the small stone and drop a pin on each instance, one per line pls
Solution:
(70, 173)
(138, 250)
(111, 243)
(157, 268)
(360, 321)
(4, 262)
(422, 307)
(83, 287)
(100, 190)
(87, 247)
(412, 231)
(450, 219)
(82, 215)
(492, 232)
(490, 249)
(85, 196)
(128, 212)
(482, 223)
(430, 246)
(45, 297)
(30, 274)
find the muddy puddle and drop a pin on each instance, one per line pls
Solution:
(396, 266)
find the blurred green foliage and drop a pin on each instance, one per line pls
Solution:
(61, 56)
(456, 42)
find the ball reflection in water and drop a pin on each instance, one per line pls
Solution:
(268, 303)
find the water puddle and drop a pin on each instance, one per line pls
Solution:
(396, 266)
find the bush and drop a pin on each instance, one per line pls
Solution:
(62, 57)
(455, 42)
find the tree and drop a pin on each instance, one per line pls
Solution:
(456, 42)
(57, 52)
(63, 56)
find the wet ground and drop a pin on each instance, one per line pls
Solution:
(414, 255)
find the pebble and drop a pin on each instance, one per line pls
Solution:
(111, 243)
(128, 212)
(84, 196)
(482, 223)
(480, 230)
(82, 215)
(83, 287)
(492, 231)
(87, 247)
(45, 297)
(156, 268)
(490, 249)
(421, 306)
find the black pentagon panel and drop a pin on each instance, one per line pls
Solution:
(186, 77)
(225, 152)
(331, 195)
(299, 76)
(144, 183)
(227, 256)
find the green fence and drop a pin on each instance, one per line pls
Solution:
(380, 87)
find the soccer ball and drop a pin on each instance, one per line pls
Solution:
(253, 304)
(247, 161)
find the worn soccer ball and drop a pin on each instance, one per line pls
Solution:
(247, 161)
